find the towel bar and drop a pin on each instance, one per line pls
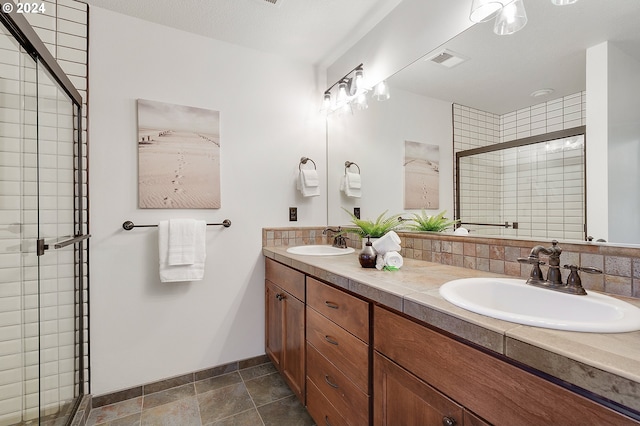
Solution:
(128, 225)
(304, 160)
(348, 164)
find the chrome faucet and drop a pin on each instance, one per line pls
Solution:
(339, 240)
(554, 275)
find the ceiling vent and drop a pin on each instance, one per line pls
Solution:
(446, 58)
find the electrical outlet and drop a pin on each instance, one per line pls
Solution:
(293, 214)
(356, 212)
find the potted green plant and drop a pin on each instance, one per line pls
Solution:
(435, 223)
(374, 228)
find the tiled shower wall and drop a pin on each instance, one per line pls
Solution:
(23, 327)
(488, 181)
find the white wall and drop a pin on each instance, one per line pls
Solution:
(624, 146)
(374, 139)
(596, 143)
(143, 330)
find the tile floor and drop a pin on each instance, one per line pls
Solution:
(255, 396)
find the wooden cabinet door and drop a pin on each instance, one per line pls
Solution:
(273, 323)
(293, 363)
(401, 399)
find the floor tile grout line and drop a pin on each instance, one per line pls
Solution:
(196, 393)
(244, 383)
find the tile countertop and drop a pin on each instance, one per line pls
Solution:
(605, 364)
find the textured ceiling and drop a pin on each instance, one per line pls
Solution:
(313, 31)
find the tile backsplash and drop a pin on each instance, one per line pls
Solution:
(620, 265)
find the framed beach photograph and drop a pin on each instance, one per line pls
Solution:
(178, 156)
(421, 175)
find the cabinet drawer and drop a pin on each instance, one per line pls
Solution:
(497, 391)
(347, 311)
(321, 409)
(348, 353)
(339, 390)
(288, 279)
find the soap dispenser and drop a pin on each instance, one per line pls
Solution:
(367, 256)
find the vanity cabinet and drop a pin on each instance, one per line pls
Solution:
(338, 355)
(422, 376)
(284, 325)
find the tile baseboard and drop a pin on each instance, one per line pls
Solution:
(160, 385)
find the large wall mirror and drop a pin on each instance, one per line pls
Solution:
(588, 53)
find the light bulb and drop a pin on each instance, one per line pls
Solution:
(326, 102)
(357, 84)
(381, 92)
(512, 18)
(342, 92)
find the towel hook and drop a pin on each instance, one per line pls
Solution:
(348, 164)
(304, 160)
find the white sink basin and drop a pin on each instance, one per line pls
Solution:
(319, 250)
(514, 300)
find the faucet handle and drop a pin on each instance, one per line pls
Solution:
(531, 260)
(590, 270)
(587, 269)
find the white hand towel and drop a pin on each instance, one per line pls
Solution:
(352, 185)
(393, 258)
(308, 183)
(388, 242)
(175, 273)
(181, 242)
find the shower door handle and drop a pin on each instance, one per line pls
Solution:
(42, 246)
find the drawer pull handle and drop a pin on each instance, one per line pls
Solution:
(326, 420)
(331, 305)
(448, 421)
(329, 382)
(331, 340)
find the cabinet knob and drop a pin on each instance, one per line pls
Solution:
(448, 421)
(279, 296)
(326, 420)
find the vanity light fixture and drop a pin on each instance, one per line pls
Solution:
(484, 10)
(510, 15)
(512, 18)
(351, 90)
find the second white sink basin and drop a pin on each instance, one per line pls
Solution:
(514, 300)
(319, 250)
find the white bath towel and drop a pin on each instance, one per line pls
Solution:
(181, 242)
(190, 272)
(308, 183)
(353, 185)
(391, 259)
(388, 242)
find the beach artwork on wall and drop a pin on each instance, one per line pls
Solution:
(421, 175)
(178, 156)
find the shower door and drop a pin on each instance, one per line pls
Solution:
(41, 253)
